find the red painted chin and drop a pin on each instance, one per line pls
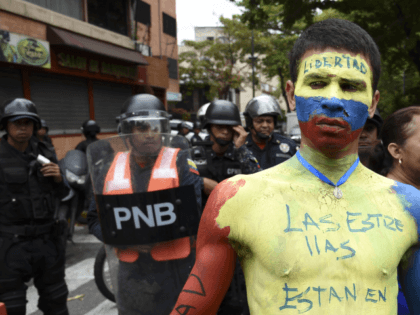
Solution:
(326, 136)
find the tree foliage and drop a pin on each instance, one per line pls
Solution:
(220, 64)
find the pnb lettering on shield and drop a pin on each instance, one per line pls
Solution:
(163, 215)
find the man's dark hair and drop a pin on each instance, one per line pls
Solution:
(336, 34)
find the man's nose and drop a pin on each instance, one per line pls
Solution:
(225, 130)
(148, 133)
(333, 105)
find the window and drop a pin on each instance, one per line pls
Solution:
(169, 25)
(210, 38)
(108, 14)
(143, 13)
(173, 68)
(72, 8)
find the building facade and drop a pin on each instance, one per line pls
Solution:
(81, 59)
(241, 96)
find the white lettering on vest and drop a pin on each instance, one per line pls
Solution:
(119, 218)
(149, 220)
(159, 213)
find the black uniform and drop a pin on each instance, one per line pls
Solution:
(30, 244)
(195, 138)
(82, 146)
(277, 150)
(234, 161)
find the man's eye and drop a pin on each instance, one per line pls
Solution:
(348, 87)
(317, 84)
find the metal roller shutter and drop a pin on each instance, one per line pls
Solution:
(108, 99)
(10, 84)
(62, 101)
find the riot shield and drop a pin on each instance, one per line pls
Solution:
(149, 217)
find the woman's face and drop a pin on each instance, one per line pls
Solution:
(411, 150)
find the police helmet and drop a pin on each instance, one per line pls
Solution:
(90, 127)
(197, 125)
(143, 110)
(183, 125)
(263, 105)
(222, 112)
(19, 108)
(201, 113)
(44, 124)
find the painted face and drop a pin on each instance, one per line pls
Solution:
(333, 94)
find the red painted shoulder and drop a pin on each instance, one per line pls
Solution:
(220, 195)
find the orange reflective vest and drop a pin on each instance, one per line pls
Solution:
(164, 176)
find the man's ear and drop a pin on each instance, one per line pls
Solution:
(375, 101)
(395, 151)
(290, 92)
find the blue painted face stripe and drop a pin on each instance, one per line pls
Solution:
(334, 108)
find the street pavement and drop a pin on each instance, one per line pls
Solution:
(80, 258)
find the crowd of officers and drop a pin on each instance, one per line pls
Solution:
(30, 243)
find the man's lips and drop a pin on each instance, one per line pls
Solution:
(330, 122)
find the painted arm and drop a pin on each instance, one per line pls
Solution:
(212, 273)
(410, 279)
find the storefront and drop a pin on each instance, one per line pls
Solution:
(78, 78)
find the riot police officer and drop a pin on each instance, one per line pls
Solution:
(196, 137)
(227, 156)
(268, 147)
(42, 135)
(146, 285)
(30, 242)
(89, 129)
(183, 130)
(369, 155)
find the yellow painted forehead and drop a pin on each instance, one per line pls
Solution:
(336, 67)
(344, 65)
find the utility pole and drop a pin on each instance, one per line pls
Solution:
(253, 64)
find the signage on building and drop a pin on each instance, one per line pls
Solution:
(173, 97)
(17, 48)
(96, 66)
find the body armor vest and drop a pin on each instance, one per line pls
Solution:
(217, 169)
(26, 193)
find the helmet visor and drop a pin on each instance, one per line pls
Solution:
(153, 125)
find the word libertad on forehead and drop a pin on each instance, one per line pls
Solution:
(336, 62)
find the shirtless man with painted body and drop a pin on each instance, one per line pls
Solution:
(307, 246)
